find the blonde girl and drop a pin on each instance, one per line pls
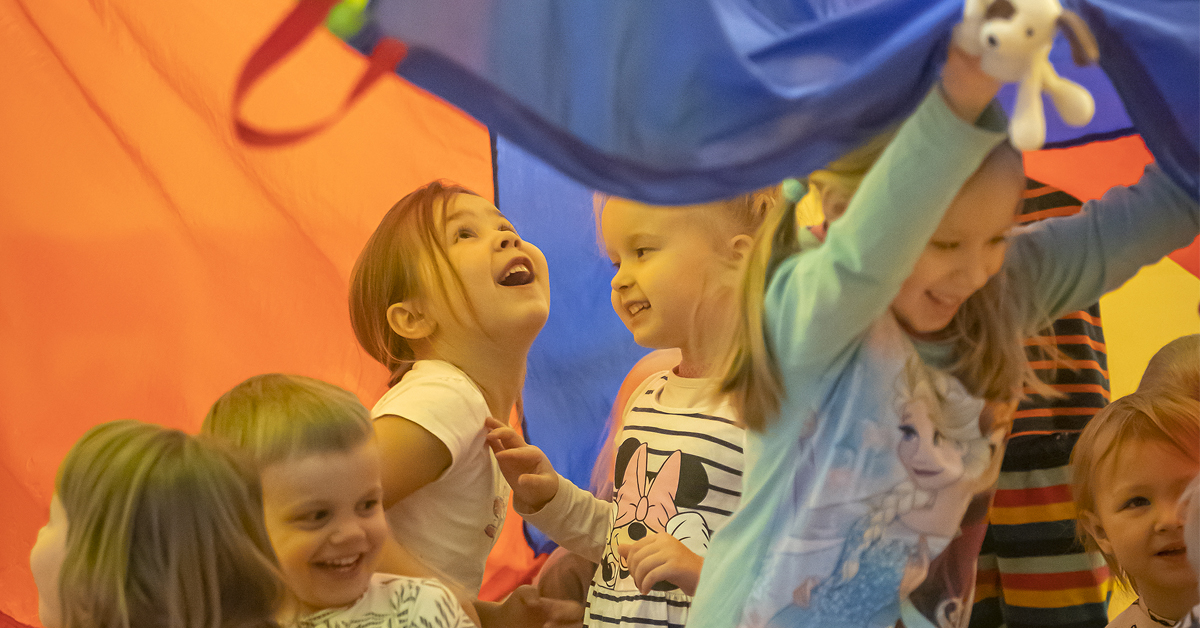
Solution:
(150, 527)
(916, 268)
(449, 298)
(315, 452)
(1130, 467)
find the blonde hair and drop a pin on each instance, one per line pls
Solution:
(1163, 416)
(400, 260)
(164, 530)
(742, 214)
(843, 175)
(277, 417)
(1175, 367)
(989, 350)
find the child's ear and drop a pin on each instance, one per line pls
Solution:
(408, 320)
(739, 248)
(1091, 523)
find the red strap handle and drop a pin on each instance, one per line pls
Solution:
(294, 29)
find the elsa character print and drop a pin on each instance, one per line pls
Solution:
(888, 549)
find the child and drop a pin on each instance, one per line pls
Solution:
(319, 464)
(1175, 367)
(150, 527)
(835, 526)
(1130, 467)
(448, 297)
(678, 461)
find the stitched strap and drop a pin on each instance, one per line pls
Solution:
(291, 32)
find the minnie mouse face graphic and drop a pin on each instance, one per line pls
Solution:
(649, 502)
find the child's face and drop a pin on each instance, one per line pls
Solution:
(325, 520)
(666, 270)
(506, 278)
(45, 561)
(965, 251)
(1137, 520)
(932, 460)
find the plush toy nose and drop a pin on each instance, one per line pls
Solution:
(992, 41)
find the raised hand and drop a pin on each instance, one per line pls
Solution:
(533, 479)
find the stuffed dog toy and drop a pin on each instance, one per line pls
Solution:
(1013, 39)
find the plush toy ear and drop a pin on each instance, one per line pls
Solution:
(1084, 49)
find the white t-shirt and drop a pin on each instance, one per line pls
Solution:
(395, 602)
(452, 522)
(1136, 617)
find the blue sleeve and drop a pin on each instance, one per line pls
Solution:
(818, 302)
(1069, 262)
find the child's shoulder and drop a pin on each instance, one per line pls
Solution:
(1133, 617)
(431, 383)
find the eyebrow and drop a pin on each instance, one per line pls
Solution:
(466, 212)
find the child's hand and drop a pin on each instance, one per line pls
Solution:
(661, 557)
(533, 479)
(966, 87)
(524, 608)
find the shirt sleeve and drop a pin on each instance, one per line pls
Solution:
(820, 300)
(447, 405)
(1069, 263)
(575, 519)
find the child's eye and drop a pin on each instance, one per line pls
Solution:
(368, 505)
(463, 233)
(942, 245)
(1134, 502)
(314, 518)
(907, 432)
(642, 251)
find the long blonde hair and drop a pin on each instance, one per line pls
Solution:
(163, 530)
(989, 349)
(403, 258)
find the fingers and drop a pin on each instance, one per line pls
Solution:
(504, 437)
(560, 613)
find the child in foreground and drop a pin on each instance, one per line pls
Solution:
(152, 528)
(878, 372)
(449, 298)
(1130, 468)
(678, 451)
(315, 450)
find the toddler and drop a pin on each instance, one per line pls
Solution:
(319, 465)
(1175, 367)
(1129, 469)
(678, 450)
(152, 528)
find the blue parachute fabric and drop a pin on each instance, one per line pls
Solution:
(677, 101)
(582, 355)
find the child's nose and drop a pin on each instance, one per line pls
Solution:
(976, 268)
(1167, 516)
(348, 531)
(620, 280)
(507, 239)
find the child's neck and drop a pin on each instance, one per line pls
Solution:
(1167, 604)
(498, 370)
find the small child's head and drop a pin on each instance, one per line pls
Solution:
(1176, 367)
(152, 527)
(1129, 468)
(314, 447)
(678, 267)
(443, 264)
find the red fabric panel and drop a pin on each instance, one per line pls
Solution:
(148, 260)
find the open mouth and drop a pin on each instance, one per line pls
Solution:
(519, 272)
(341, 566)
(1173, 551)
(636, 307)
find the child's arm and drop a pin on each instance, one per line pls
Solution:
(410, 457)
(819, 301)
(660, 557)
(571, 516)
(1070, 262)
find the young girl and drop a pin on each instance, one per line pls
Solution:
(915, 269)
(314, 448)
(678, 458)
(1130, 467)
(150, 527)
(448, 297)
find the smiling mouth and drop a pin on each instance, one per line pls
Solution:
(635, 308)
(1172, 552)
(518, 273)
(342, 566)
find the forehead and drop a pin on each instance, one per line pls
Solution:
(988, 202)
(333, 474)
(1127, 464)
(622, 218)
(462, 207)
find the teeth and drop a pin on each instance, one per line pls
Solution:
(519, 268)
(638, 307)
(345, 562)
